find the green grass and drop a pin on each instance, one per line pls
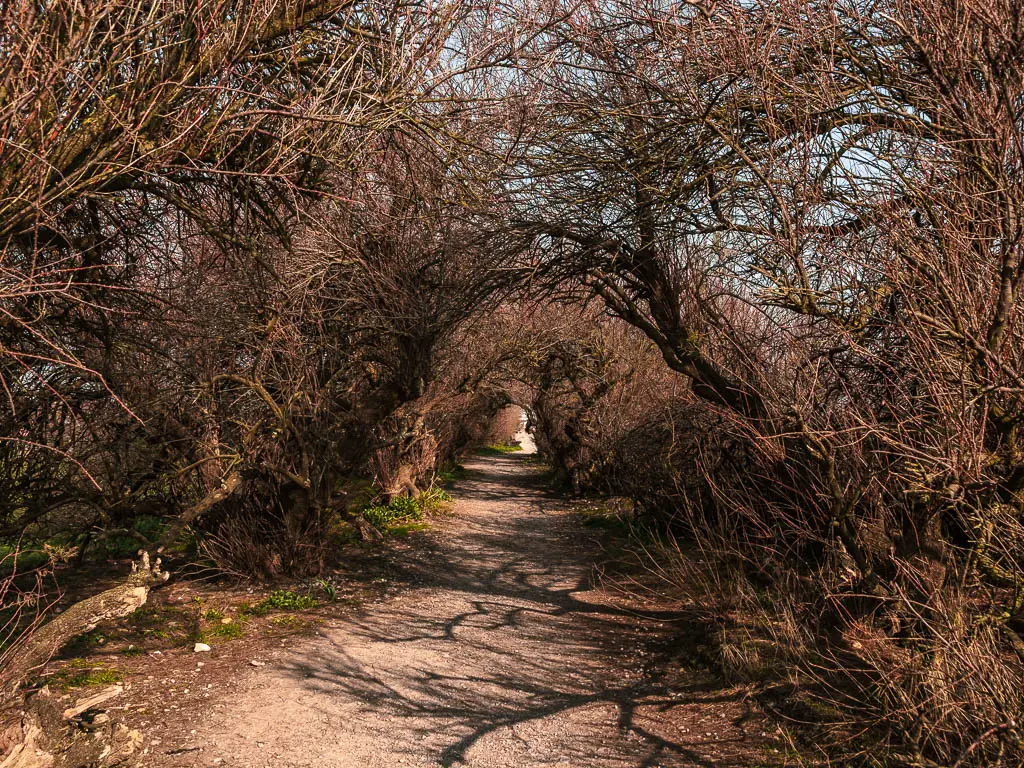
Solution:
(28, 559)
(599, 514)
(146, 530)
(434, 500)
(450, 473)
(499, 449)
(169, 625)
(404, 513)
(328, 588)
(617, 518)
(286, 600)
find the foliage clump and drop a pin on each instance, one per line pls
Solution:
(405, 510)
(280, 600)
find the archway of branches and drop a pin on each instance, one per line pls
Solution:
(754, 266)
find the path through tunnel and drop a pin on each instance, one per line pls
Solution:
(503, 652)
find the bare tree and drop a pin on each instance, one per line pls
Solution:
(812, 210)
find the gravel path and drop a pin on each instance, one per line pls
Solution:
(505, 655)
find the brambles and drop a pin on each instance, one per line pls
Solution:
(765, 193)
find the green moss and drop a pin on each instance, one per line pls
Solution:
(341, 534)
(28, 558)
(434, 500)
(144, 530)
(359, 493)
(404, 529)
(78, 675)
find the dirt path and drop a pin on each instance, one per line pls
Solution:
(506, 655)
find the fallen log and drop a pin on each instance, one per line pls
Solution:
(83, 616)
(46, 737)
(91, 702)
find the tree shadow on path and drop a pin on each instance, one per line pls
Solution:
(509, 656)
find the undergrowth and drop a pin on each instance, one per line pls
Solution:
(279, 600)
(404, 512)
(450, 473)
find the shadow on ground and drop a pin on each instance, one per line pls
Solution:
(508, 655)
